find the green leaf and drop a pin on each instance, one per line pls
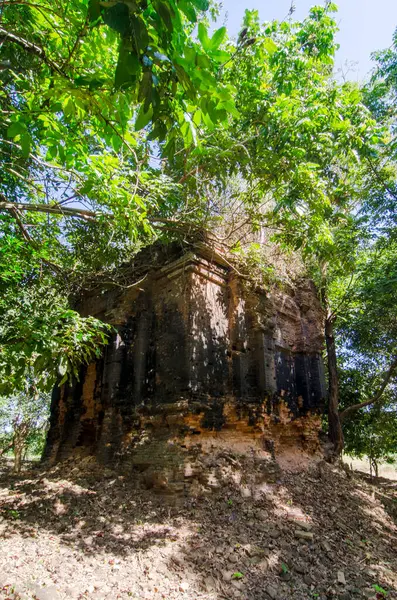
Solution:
(201, 4)
(52, 152)
(69, 107)
(25, 142)
(185, 81)
(127, 70)
(116, 142)
(220, 56)
(63, 380)
(203, 37)
(270, 46)
(143, 118)
(218, 37)
(94, 10)
(118, 18)
(139, 34)
(188, 10)
(165, 14)
(230, 107)
(145, 89)
(15, 129)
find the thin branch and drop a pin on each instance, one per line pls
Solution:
(86, 215)
(32, 49)
(25, 234)
(79, 37)
(380, 179)
(124, 287)
(377, 397)
(79, 213)
(6, 448)
(336, 309)
(28, 238)
(42, 163)
(33, 5)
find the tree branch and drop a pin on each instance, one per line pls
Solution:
(380, 180)
(28, 238)
(32, 49)
(7, 447)
(86, 215)
(386, 378)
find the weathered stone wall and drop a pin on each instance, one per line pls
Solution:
(200, 361)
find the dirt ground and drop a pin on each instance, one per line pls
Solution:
(83, 533)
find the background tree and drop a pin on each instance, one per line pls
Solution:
(23, 424)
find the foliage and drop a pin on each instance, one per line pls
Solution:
(367, 327)
(41, 337)
(297, 137)
(77, 197)
(382, 89)
(23, 424)
(372, 431)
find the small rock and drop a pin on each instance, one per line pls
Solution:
(210, 584)
(272, 592)
(326, 546)
(246, 492)
(227, 575)
(341, 577)
(184, 586)
(254, 550)
(304, 525)
(233, 558)
(238, 584)
(41, 593)
(88, 540)
(300, 568)
(304, 535)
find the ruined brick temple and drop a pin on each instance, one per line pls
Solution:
(201, 361)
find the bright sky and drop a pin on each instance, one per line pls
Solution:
(365, 25)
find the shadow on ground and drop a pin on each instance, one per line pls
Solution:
(73, 533)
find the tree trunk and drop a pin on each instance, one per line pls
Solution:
(21, 431)
(18, 450)
(334, 424)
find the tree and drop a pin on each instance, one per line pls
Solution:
(368, 354)
(84, 84)
(23, 422)
(371, 431)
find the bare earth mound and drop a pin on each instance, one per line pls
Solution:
(82, 533)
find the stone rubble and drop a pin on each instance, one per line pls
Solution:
(85, 534)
